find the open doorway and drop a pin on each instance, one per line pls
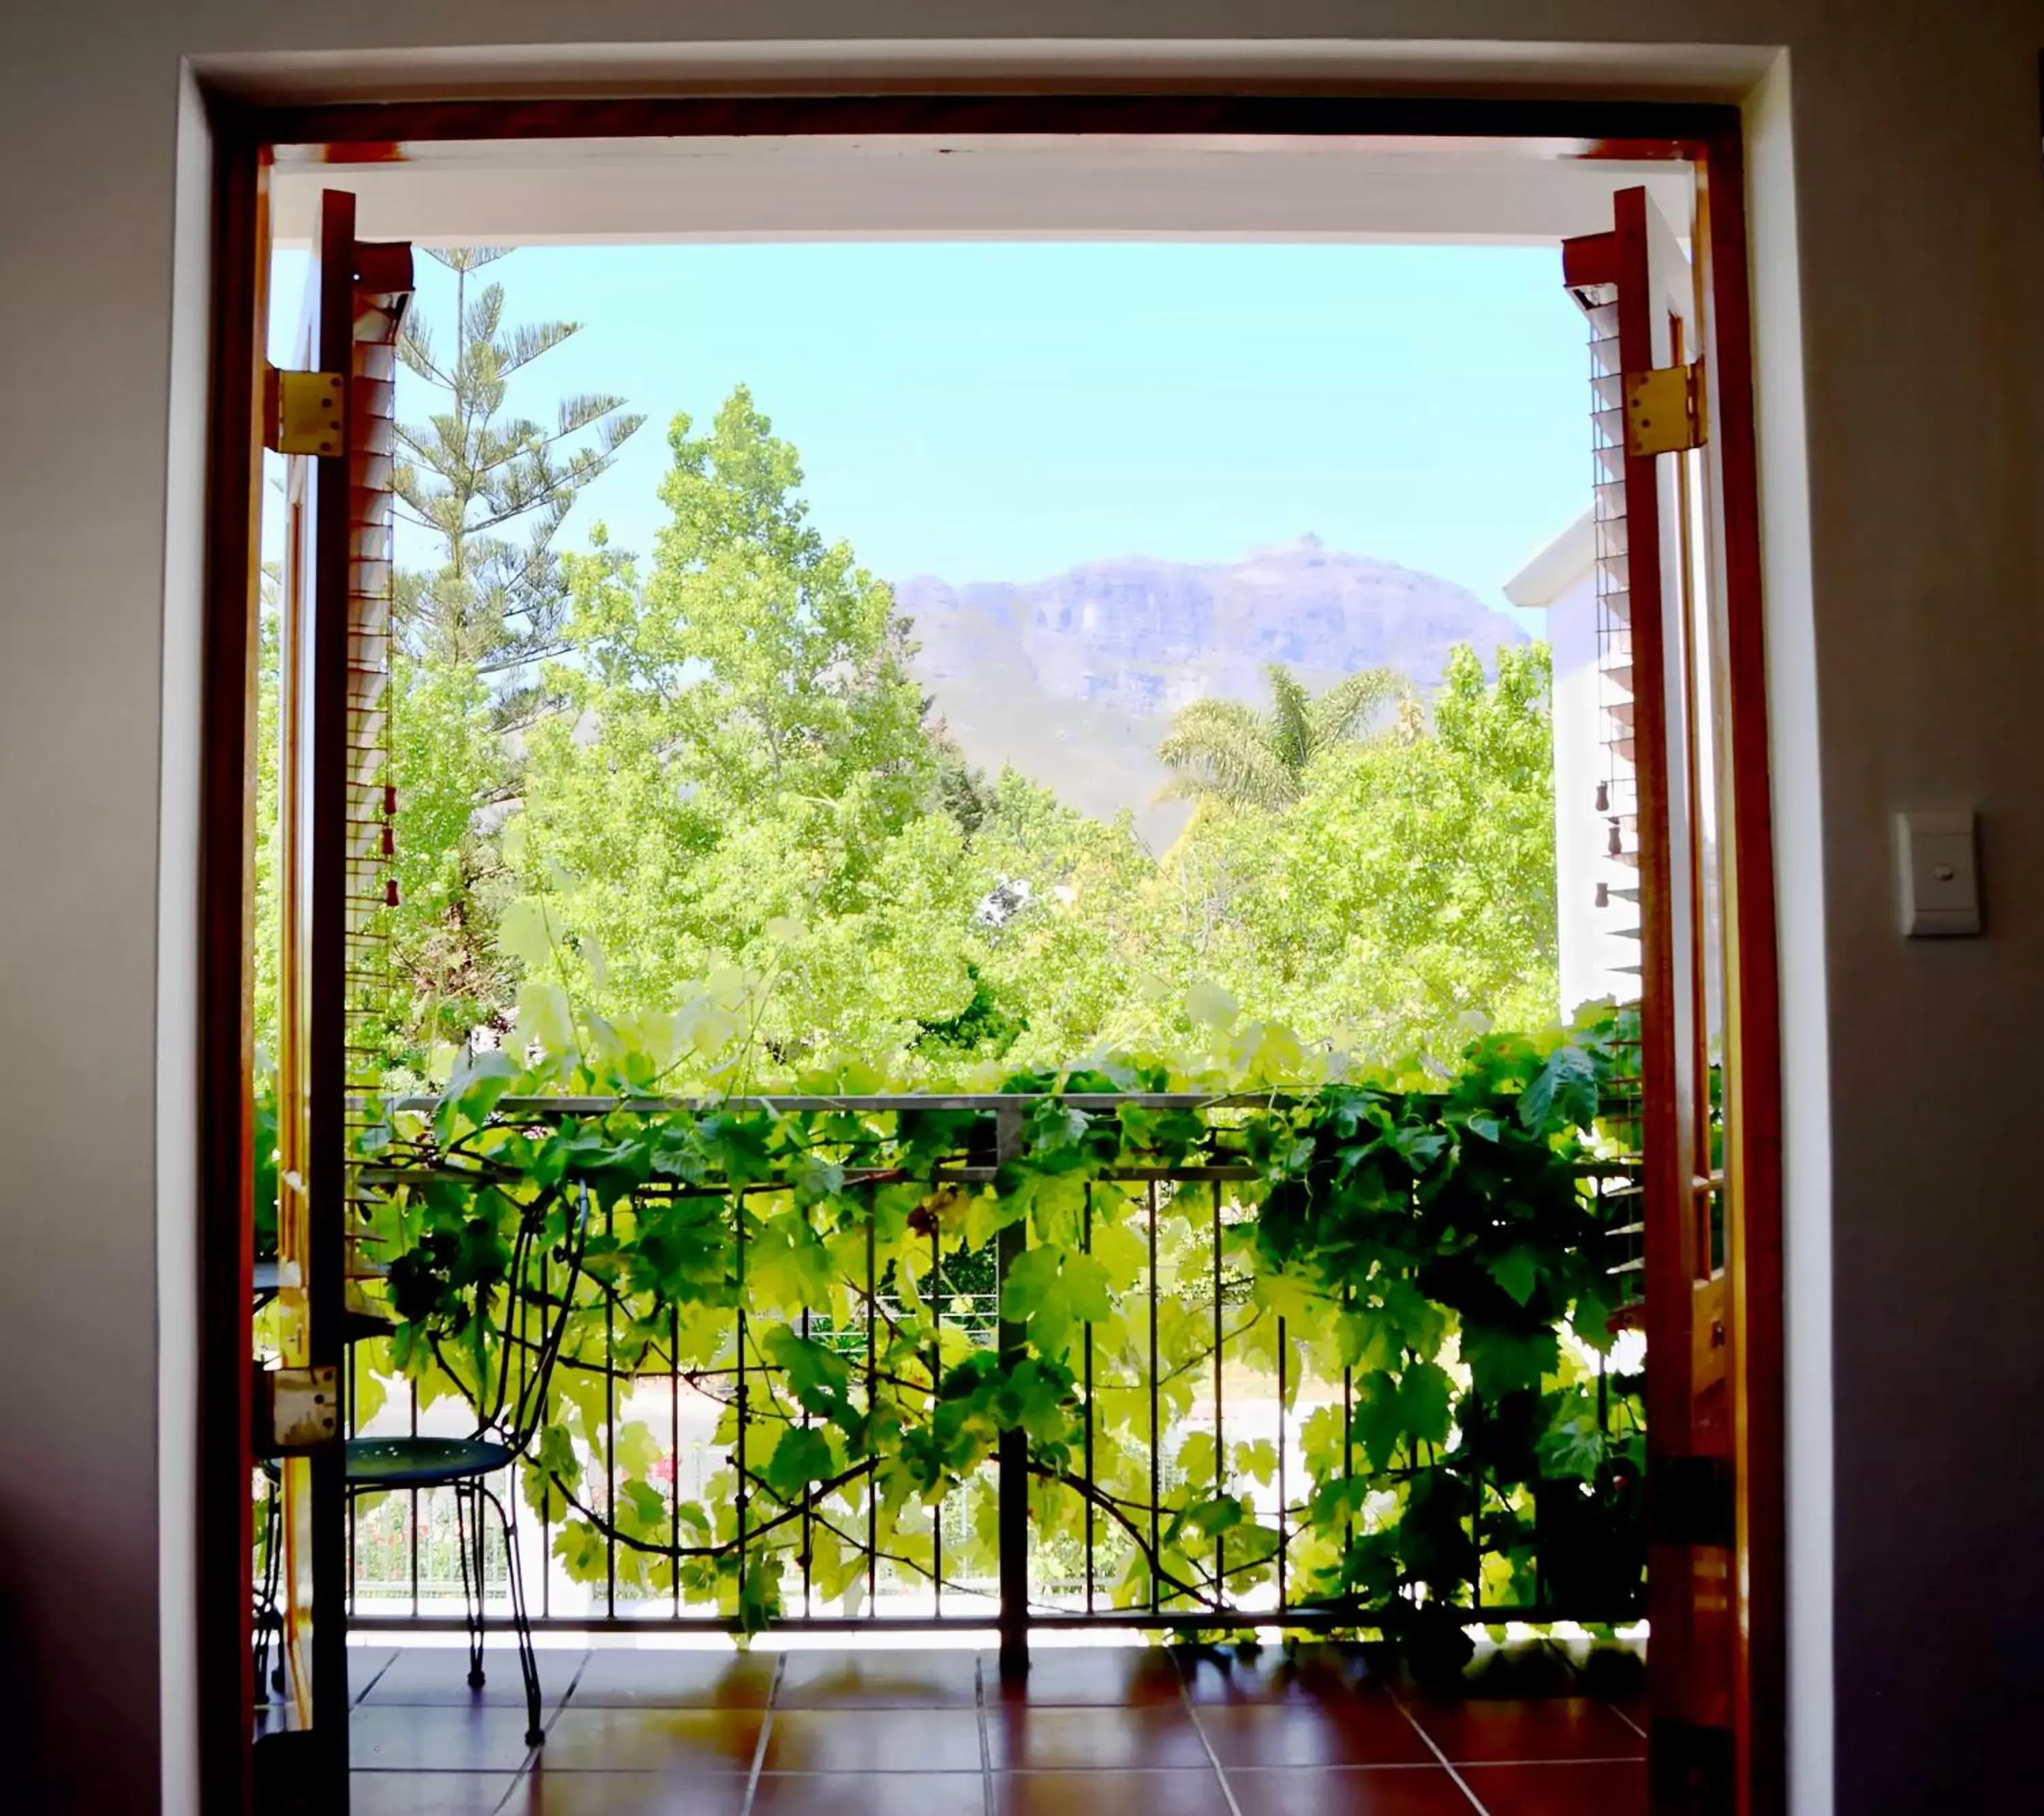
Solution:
(1299, 1476)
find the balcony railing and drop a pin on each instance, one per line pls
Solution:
(1193, 1389)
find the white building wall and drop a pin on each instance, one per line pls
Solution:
(1579, 833)
(1598, 961)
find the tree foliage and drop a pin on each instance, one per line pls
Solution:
(492, 489)
(731, 765)
(1222, 750)
(744, 774)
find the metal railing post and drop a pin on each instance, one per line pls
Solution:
(1012, 1463)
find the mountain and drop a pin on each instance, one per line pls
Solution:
(1073, 680)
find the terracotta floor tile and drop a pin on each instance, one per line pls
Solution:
(1310, 1674)
(657, 1679)
(1367, 1728)
(1090, 1678)
(1171, 1792)
(1349, 1790)
(1564, 1790)
(846, 1679)
(1532, 1728)
(541, 1793)
(426, 1793)
(872, 1794)
(1617, 1674)
(391, 1737)
(653, 1740)
(1096, 1739)
(1103, 1732)
(1530, 1668)
(439, 1675)
(1087, 1677)
(893, 1740)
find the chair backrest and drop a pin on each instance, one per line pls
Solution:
(539, 1300)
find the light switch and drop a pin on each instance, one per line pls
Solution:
(1939, 880)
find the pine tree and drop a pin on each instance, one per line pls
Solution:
(493, 489)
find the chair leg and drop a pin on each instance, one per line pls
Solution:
(466, 1516)
(262, 1601)
(267, 1617)
(521, 1623)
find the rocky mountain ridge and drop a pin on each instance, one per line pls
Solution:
(1073, 679)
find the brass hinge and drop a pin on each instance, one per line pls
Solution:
(297, 1409)
(303, 412)
(1665, 411)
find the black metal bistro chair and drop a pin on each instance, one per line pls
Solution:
(510, 1407)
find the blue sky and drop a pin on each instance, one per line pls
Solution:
(1005, 411)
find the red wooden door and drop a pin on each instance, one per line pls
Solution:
(1637, 286)
(334, 804)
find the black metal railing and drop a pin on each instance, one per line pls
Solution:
(401, 1575)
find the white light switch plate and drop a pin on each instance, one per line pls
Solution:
(1938, 874)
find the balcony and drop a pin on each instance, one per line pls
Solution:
(1320, 1387)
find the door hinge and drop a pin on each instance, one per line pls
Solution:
(1665, 411)
(304, 412)
(296, 1409)
(1690, 1500)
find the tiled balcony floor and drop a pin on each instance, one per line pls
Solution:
(1096, 1733)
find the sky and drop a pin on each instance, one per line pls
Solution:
(1005, 411)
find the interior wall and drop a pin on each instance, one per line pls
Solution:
(1922, 280)
(177, 1108)
(1908, 631)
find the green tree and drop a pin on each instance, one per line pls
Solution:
(1410, 888)
(491, 489)
(786, 663)
(1224, 750)
(745, 776)
(448, 761)
(269, 928)
(1406, 891)
(1061, 919)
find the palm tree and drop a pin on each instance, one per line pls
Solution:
(1224, 750)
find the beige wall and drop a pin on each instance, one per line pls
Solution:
(1907, 226)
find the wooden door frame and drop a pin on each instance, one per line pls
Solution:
(226, 1020)
(1708, 137)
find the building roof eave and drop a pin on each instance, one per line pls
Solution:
(1556, 565)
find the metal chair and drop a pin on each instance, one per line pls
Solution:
(266, 1614)
(510, 1406)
